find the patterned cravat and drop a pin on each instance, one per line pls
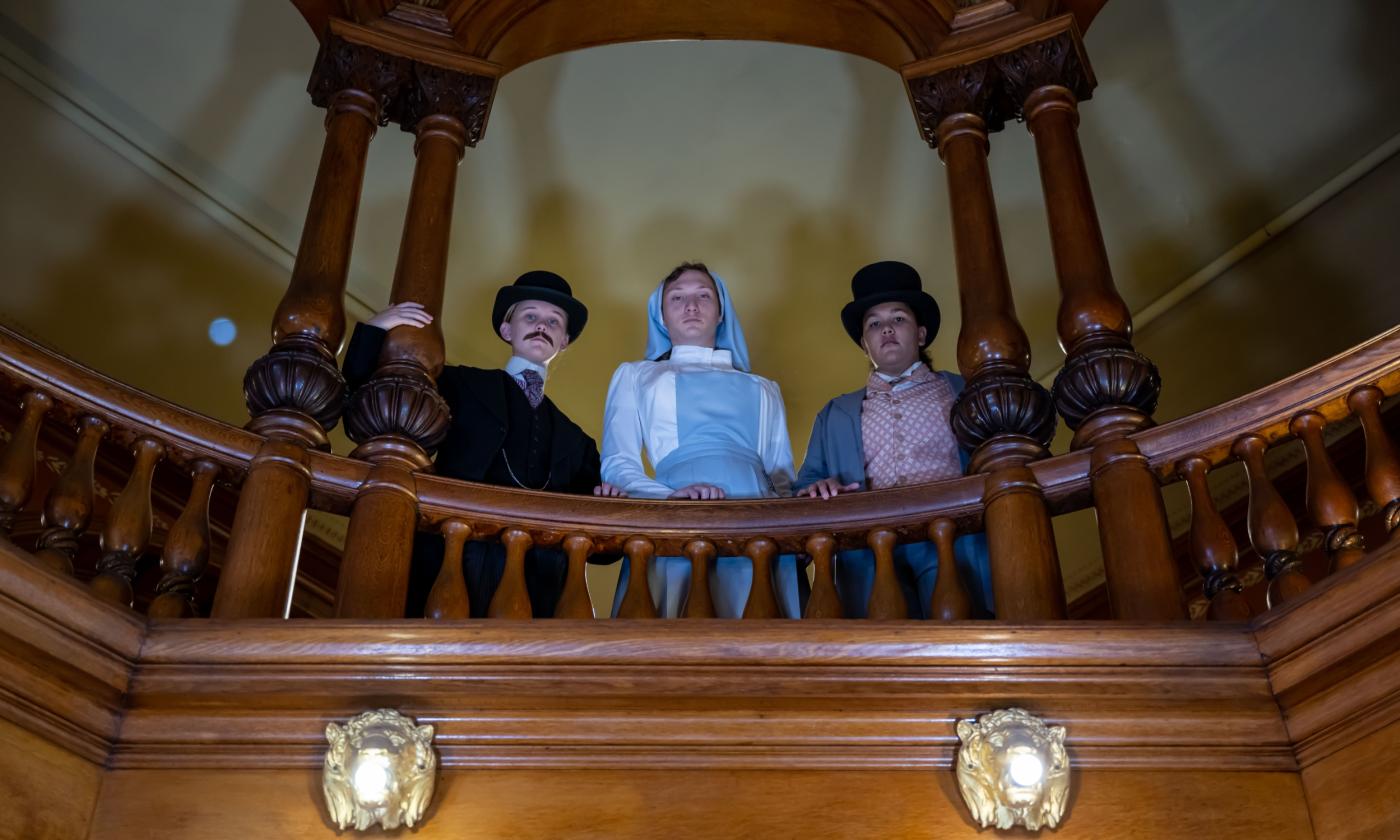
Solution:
(533, 386)
(878, 385)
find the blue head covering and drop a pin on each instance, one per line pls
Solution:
(729, 336)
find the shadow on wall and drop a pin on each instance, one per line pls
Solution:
(1267, 325)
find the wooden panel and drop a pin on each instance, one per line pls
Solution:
(700, 694)
(1352, 793)
(46, 792)
(693, 804)
(65, 658)
(1333, 656)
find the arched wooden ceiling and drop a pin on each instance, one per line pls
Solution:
(511, 33)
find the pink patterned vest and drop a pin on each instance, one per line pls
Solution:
(907, 434)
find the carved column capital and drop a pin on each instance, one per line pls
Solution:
(1058, 60)
(437, 91)
(995, 87)
(343, 65)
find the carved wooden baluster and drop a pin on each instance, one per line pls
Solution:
(950, 601)
(127, 532)
(448, 598)
(1331, 504)
(512, 599)
(1272, 529)
(19, 458)
(1003, 415)
(636, 601)
(397, 417)
(698, 603)
(295, 392)
(886, 598)
(1212, 546)
(824, 601)
(68, 506)
(186, 552)
(574, 601)
(1382, 462)
(762, 602)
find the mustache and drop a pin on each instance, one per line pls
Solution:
(538, 334)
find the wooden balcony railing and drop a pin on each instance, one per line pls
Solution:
(40, 386)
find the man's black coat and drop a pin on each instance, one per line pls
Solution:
(485, 405)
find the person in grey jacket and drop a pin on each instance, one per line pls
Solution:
(892, 432)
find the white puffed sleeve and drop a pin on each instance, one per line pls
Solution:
(777, 447)
(622, 439)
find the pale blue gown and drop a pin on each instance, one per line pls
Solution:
(701, 417)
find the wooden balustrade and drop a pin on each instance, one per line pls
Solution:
(950, 601)
(186, 552)
(449, 597)
(788, 526)
(18, 461)
(1213, 546)
(886, 597)
(1382, 462)
(1272, 529)
(512, 597)
(128, 528)
(699, 603)
(824, 602)
(636, 601)
(69, 504)
(762, 603)
(1331, 504)
(574, 601)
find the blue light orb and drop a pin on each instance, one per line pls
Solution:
(222, 331)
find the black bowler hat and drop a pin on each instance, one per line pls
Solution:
(548, 287)
(889, 282)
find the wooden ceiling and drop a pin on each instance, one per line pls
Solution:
(512, 33)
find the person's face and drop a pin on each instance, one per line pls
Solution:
(536, 330)
(892, 337)
(690, 309)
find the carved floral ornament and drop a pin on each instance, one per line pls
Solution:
(1013, 770)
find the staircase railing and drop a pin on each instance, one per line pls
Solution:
(46, 387)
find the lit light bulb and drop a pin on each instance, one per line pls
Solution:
(1026, 769)
(372, 778)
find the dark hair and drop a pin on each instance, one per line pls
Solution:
(688, 266)
(673, 276)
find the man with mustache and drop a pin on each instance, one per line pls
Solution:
(894, 431)
(504, 430)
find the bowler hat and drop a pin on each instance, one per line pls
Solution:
(889, 282)
(541, 285)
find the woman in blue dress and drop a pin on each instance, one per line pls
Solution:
(712, 430)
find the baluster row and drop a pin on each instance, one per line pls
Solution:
(125, 537)
(449, 598)
(1273, 531)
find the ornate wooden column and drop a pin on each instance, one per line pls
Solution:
(1106, 390)
(295, 392)
(1003, 415)
(398, 418)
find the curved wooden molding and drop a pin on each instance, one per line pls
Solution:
(511, 33)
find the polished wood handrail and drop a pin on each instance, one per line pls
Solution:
(609, 522)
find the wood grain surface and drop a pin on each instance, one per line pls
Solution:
(922, 803)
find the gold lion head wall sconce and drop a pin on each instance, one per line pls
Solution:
(380, 769)
(1013, 770)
